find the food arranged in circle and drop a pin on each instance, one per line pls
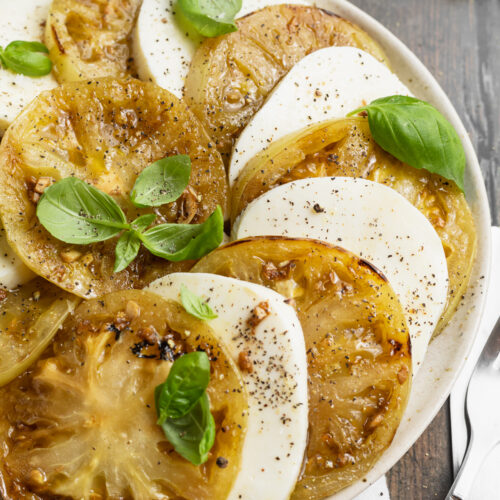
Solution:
(229, 234)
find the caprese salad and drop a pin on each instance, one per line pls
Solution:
(228, 234)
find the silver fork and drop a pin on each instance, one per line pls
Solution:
(483, 410)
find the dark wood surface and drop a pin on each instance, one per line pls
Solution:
(459, 41)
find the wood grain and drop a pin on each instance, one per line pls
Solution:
(459, 41)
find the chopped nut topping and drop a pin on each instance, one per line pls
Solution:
(244, 362)
(403, 374)
(36, 187)
(282, 272)
(132, 310)
(259, 313)
(3, 294)
(87, 259)
(149, 334)
(374, 421)
(42, 184)
(270, 271)
(189, 201)
(70, 256)
(37, 477)
(121, 320)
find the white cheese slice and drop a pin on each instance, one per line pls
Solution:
(276, 436)
(21, 20)
(326, 84)
(372, 221)
(163, 46)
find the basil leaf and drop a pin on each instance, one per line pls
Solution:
(186, 382)
(143, 222)
(192, 435)
(211, 17)
(162, 182)
(27, 58)
(416, 133)
(75, 212)
(195, 306)
(126, 250)
(176, 242)
(27, 46)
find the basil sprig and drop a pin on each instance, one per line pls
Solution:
(195, 305)
(211, 17)
(183, 407)
(75, 212)
(416, 133)
(26, 58)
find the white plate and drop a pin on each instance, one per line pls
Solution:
(449, 350)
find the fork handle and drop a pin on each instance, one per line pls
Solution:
(474, 458)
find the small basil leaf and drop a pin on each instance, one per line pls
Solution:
(192, 435)
(75, 212)
(416, 133)
(162, 182)
(176, 242)
(195, 305)
(211, 17)
(27, 58)
(143, 222)
(126, 250)
(2, 59)
(186, 382)
(27, 46)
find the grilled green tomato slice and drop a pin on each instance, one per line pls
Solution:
(31, 316)
(346, 148)
(232, 75)
(104, 132)
(81, 422)
(358, 350)
(90, 39)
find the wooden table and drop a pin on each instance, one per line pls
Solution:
(459, 41)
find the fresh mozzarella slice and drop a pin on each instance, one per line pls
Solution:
(373, 221)
(277, 387)
(326, 84)
(21, 20)
(163, 45)
(12, 270)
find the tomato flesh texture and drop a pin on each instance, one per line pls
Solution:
(31, 316)
(81, 423)
(90, 39)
